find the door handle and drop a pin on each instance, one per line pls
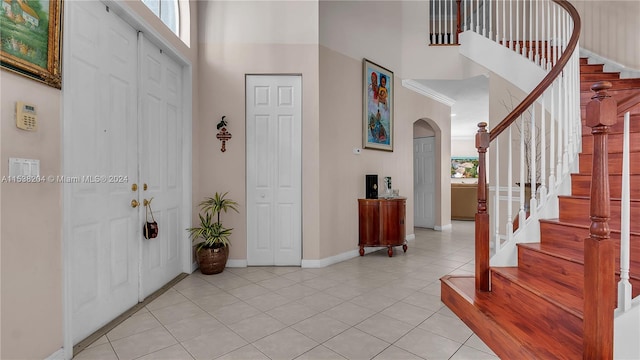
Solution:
(134, 203)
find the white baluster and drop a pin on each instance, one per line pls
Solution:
(509, 185)
(530, 30)
(543, 149)
(496, 202)
(517, 39)
(555, 35)
(434, 26)
(533, 170)
(447, 15)
(452, 23)
(522, 214)
(560, 123)
(484, 18)
(504, 23)
(465, 19)
(624, 286)
(538, 47)
(440, 22)
(477, 8)
(548, 37)
(511, 45)
(552, 139)
(491, 22)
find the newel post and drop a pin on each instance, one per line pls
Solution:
(482, 217)
(599, 258)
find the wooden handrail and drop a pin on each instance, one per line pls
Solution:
(549, 79)
(599, 257)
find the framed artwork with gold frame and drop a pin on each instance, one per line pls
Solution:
(30, 39)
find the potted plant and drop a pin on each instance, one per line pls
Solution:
(211, 238)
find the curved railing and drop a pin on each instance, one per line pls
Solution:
(545, 126)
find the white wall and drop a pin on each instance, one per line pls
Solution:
(462, 147)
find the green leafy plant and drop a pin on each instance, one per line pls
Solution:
(212, 234)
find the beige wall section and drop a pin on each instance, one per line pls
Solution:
(463, 147)
(223, 67)
(392, 34)
(31, 226)
(342, 173)
(422, 129)
(610, 29)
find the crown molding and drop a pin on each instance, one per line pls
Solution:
(428, 92)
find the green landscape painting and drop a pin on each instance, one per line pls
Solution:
(24, 30)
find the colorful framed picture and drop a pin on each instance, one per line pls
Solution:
(464, 167)
(377, 127)
(30, 39)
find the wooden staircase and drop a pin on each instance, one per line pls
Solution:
(535, 310)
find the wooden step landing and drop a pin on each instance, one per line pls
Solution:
(511, 335)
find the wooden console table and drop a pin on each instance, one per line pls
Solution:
(381, 223)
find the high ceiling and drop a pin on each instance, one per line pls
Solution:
(471, 103)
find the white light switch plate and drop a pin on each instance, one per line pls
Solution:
(24, 167)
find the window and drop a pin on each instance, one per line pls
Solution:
(167, 11)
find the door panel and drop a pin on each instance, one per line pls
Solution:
(424, 181)
(107, 133)
(274, 165)
(103, 227)
(161, 164)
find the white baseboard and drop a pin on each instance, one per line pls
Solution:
(320, 263)
(237, 263)
(447, 227)
(58, 355)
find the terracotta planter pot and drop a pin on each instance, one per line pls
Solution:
(212, 261)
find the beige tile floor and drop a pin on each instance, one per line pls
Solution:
(371, 307)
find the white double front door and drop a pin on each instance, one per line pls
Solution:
(123, 143)
(274, 169)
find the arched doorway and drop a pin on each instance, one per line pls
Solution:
(426, 159)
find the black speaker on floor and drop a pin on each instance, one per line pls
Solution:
(372, 186)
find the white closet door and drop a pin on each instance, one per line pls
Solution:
(274, 169)
(424, 170)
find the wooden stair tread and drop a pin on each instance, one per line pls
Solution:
(581, 226)
(569, 254)
(557, 294)
(511, 337)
